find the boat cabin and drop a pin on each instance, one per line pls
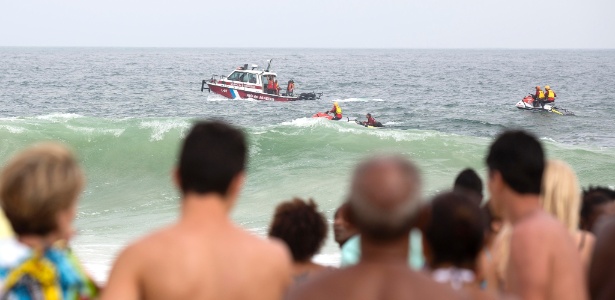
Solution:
(255, 80)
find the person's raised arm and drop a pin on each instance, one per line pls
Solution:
(123, 283)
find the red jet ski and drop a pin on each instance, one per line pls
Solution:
(322, 115)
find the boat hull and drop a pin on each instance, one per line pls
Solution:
(239, 93)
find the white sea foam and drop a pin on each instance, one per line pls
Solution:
(11, 119)
(350, 127)
(59, 117)
(548, 140)
(358, 100)
(306, 122)
(161, 127)
(91, 131)
(13, 129)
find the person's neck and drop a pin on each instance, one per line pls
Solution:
(465, 266)
(37, 242)
(205, 208)
(522, 206)
(385, 252)
(306, 265)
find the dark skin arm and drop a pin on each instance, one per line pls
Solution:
(601, 279)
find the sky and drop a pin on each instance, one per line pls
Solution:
(528, 24)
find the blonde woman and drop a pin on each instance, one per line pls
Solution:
(561, 196)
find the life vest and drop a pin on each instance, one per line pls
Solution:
(338, 110)
(540, 94)
(270, 85)
(291, 87)
(550, 95)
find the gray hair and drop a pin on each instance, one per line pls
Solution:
(399, 195)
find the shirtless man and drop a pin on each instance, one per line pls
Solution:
(544, 262)
(204, 255)
(384, 200)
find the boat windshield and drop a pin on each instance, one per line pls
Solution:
(249, 77)
(236, 76)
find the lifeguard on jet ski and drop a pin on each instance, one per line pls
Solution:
(542, 101)
(336, 111)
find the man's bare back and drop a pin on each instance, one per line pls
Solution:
(373, 281)
(208, 258)
(544, 261)
(204, 255)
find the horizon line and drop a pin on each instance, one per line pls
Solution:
(311, 48)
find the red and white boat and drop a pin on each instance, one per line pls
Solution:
(244, 83)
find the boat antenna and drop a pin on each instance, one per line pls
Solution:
(268, 65)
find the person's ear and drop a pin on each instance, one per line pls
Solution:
(499, 181)
(235, 186)
(177, 181)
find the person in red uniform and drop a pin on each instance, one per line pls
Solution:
(336, 110)
(290, 88)
(371, 121)
(550, 94)
(270, 86)
(539, 97)
(276, 87)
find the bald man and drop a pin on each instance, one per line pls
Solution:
(384, 200)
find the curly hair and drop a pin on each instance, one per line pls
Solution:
(301, 226)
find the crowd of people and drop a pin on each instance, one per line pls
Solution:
(536, 236)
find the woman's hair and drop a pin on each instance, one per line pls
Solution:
(38, 183)
(561, 195)
(454, 232)
(301, 226)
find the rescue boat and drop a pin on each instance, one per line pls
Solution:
(245, 83)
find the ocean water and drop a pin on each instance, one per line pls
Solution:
(124, 111)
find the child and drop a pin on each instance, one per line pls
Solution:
(39, 188)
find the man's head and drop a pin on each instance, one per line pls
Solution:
(454, 233)
(468, 182)
(212, 159)
(597, 202)
(384, 197)
(516, 162)
(368, 115)
(342, 228)
(39, 188)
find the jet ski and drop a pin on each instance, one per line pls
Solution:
(322, 115)
(528, 103)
